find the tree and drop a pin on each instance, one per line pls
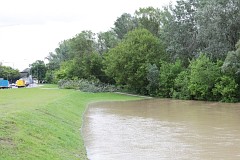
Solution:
(77, 57)
(60, 55)
(125, 23)
(195, 26)
(153, 79)
(231, 64)
(38, 70)
(82, 44)
(127, 63)
(179, 30)
(150, 19)
(106, 41)
(89, 67)
(9, 73)
(218, 33)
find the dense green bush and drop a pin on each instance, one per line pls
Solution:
(168, 73)
(226, 89)
(203, 75)
(181, 83)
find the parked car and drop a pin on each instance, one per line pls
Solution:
(13, 85)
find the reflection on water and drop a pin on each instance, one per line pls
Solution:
(162, 129)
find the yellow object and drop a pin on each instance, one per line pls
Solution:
(20, 83)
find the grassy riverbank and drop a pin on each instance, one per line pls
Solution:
(41, 123)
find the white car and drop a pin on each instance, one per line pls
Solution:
(13, 85)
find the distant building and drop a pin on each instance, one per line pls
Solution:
(25, 73)
(26, 76)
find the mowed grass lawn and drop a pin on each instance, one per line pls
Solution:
(41, 123)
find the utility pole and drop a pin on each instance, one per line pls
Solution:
(37, 75)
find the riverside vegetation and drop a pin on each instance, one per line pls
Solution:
(45, 123)
(190, 50)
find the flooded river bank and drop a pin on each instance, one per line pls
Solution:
(162, 129)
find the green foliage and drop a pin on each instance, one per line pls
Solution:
(137, 47)
(168, 73)
(50, 77)
(92, 67)
(218, 34)
(106, 41)
(179, 30)
(181, 90)
(65, 70)
(226, 89)
(153, 79)
(127, 63)
(9, 73)
(87, 67)
(38, 70)
(80, 57)
(204, 81)
(82, 44)
(62, 53)
(150, 19)
(124, 24)
(203, 76)
(193, 26)
(231, 64)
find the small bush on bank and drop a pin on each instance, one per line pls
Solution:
(86, 86)
(226, 89)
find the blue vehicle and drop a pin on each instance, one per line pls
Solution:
(4, 84)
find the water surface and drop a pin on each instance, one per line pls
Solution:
(162, 129)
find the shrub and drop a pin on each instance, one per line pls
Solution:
(203, 75)
(168, 73)
(181, 83)
(226, 88)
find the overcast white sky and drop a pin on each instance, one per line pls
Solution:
(30, 29)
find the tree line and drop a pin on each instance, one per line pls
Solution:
(8, 73)
(190, 50)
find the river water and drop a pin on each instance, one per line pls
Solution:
(162, 129)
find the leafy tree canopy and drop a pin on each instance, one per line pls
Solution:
(38, 70)
(9, 73)
(127, 63)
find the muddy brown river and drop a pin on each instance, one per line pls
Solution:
(162, 129)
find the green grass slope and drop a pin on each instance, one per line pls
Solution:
(41, 123)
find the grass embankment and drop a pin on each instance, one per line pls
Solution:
(40, 123)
